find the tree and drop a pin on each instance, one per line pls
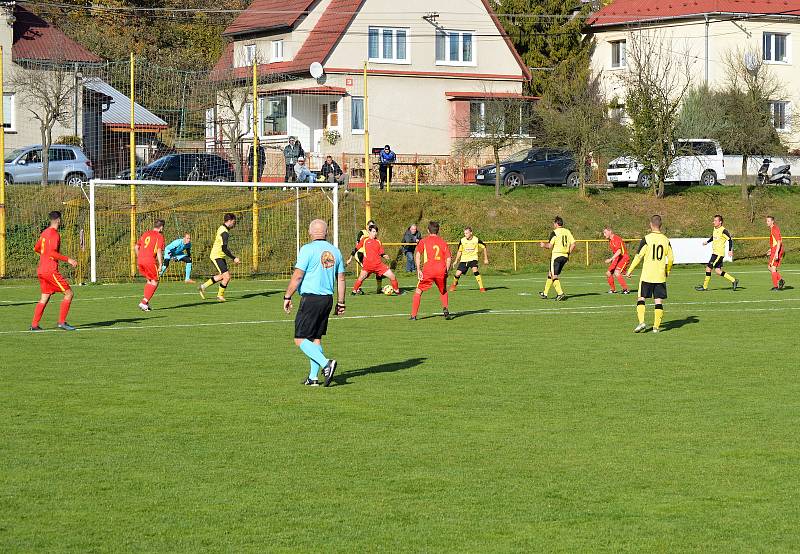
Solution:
(232, 97)
(494, 125)
(575, 115)
(46, 91)
(702, 115)
(656, 83)
(544, 32)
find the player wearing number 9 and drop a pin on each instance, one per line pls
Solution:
(149, 256)
(655, 254)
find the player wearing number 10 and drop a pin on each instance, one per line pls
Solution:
(562, 243)
(655, 252)
(149, 256)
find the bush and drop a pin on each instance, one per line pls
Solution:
(71, 140)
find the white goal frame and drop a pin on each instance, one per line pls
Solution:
(94, 183)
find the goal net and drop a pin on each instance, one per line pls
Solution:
(271, 223)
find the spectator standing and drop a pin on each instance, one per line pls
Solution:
(332, 173)
(302, 173)
(291, 153)
(262, 160)
(387, 159)
(411, 237)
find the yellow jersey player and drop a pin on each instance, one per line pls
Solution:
(562, 243)
(468, 249)
(655, 254)
(219, 251)
(721, 243)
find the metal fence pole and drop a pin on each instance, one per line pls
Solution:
(515, 255)
(132, 154)
(2, 177)
(254, 169)
(92, 235)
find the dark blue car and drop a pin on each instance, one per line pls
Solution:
(544, 166)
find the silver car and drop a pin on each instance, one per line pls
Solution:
(68, 164)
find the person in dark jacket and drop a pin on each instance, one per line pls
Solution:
(332, 172)
(291, 153)
(387, 159)
(411, 237)
(262, 160)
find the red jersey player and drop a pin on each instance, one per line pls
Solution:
(149, 256)
(50, 280)
(373, 261)
(617, 262)
(776, 253)
(433, 262)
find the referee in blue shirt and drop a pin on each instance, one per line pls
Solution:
(319, 264)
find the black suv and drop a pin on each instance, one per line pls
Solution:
(547, 166)
(185, 167)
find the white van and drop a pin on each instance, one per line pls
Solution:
(701, 161)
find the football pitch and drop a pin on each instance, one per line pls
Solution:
(521, 425)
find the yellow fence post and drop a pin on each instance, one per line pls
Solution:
(515, 255)
(2, 178)
(132, 154)
(587, 253)
(416, 179)
(367, 206)
(254, 176)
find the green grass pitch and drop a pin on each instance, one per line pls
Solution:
(521, 425)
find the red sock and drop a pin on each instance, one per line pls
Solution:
(415, 304)
(395, 284)
(149, 291)
(62, 314)
(775, 278)
(622, 281)
(37, 314)
(778, 276)
(611, 282)
(443, 298)
(357, 284)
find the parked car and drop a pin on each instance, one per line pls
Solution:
(68, 164)
(699, 161)
(185, 167)
(546, 166)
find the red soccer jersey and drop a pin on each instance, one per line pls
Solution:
(434, 252)
(149, 243)
(47, 247)
(373, 250)
(774, 239)
(616, 243)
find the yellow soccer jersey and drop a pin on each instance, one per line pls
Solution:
(656, 254)
(561, 239)
(220, 248)
(721, 238)
(469, 248)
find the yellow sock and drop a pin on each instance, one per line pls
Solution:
(640, 312)
(547, 286)
(221, 292)
(208, 283)
(658, 317)
(706, 281)
(480, 281)
(557, 285)
(729, 277)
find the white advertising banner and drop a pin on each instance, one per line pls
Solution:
(692, 251)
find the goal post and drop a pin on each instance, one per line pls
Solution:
(272, 219)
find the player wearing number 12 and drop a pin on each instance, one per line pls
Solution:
(655, 253)
(149, 256)
(50, 280)
(432, 258)
(562, 243)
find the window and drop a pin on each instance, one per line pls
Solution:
(388, 45)
(618, 54)
(333, 114)
(273, 111)
(210, 131)
(249, 54)
(8, 111)
(780, 110)
(357, 114)
(61, 155)
(247, 119)
(701, 148)
(497, 117)
(775, 47)
(455, 48)
(277, 50)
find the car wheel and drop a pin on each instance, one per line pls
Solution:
(708, 178)
(9, 179)
(75, 179)
(573, 180)
(220, 179)
(644, 180)
(513, 180)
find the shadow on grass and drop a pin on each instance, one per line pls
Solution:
(200, 302)
(257, 294)
(112, 322)
(570, 296)
(32, 302)
(678, 323)
(496, 288)
(456, 315)
(343, 378)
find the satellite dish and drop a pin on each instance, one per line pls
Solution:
(750, 61)
(316, 70)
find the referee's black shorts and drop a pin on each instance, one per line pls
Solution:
(652, 290)
(311, 321)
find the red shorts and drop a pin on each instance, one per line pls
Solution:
(53, 283)
(619, 264)
(427, 282)
(148, 270)
(378, 270)
(777, 263)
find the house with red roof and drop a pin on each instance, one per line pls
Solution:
(431, 67)
(705, 32)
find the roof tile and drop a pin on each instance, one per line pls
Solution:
(36, 39)
(262, 15)
(636, 11)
